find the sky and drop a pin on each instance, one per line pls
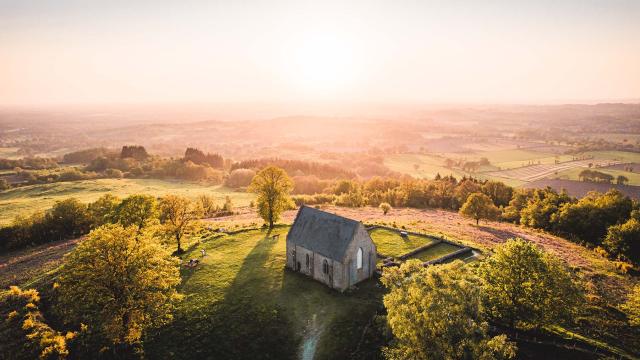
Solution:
(424, 51)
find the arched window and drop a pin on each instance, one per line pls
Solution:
(307, 261)
(359, 259)
(325, 267)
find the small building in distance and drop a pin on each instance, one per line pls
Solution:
(332, 249)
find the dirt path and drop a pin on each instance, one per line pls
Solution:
(310, 339)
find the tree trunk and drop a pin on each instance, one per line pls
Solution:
(179, 251)
(477, 221)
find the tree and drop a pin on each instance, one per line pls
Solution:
(177, 215)
(272, 186)
(103, 210)
(526, 287)
(385, 207)
(436, 313)
(208, 204)
(622, 180)
(239, 178)
(479, 206)
(119, 283)
(623, 240)
(589, 218)
(138, 210)
(632, 306)
(541, 207)
(67, 219)
(500, 193)
(466, 188)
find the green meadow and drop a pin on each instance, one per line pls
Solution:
(28, 199)
(242, 296)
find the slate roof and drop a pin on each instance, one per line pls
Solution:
(322, 232)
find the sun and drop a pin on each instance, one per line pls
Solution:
(323, 63)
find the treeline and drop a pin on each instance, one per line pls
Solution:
(610, 221)
(31, 163)
(134, 161)
(297, 168)
(443, 192)
(599, 176)
(70, 218)
(86, 156)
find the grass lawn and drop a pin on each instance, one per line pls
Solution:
(242, 296)
(436, 251)
(28, 199)
(390, 243)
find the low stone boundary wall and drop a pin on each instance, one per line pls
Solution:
(448, 256)
(421, 248)
(436, 240)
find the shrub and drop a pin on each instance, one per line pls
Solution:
(239, 178)
(113, 173)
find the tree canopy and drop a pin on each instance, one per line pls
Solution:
(177, 215)
(479, 206)
(272, 185)
(138, 210)
(119, 283)
(436, 313)
(526, 287)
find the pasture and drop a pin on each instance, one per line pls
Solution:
(573, 174)
(537, 172)
(28, 199)
(428, 165)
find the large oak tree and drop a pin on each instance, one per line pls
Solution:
(272, 186)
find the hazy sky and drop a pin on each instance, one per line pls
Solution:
(286, 51)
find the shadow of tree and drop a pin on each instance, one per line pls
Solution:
(247, 323)
(500, 234)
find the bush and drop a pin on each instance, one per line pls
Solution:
(240, 178)
(114, 173)
(4, 184)
(316, 199)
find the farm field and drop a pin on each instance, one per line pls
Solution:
(429, 165)
(390, 243)
(9, 153)
(28, 199)
(581, 188)
(621, 156)
(635, 167)
(572, 174)
(536, 172)
(615, 137)
(242, 291)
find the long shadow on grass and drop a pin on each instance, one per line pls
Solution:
(246, 324)
(501, 234)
